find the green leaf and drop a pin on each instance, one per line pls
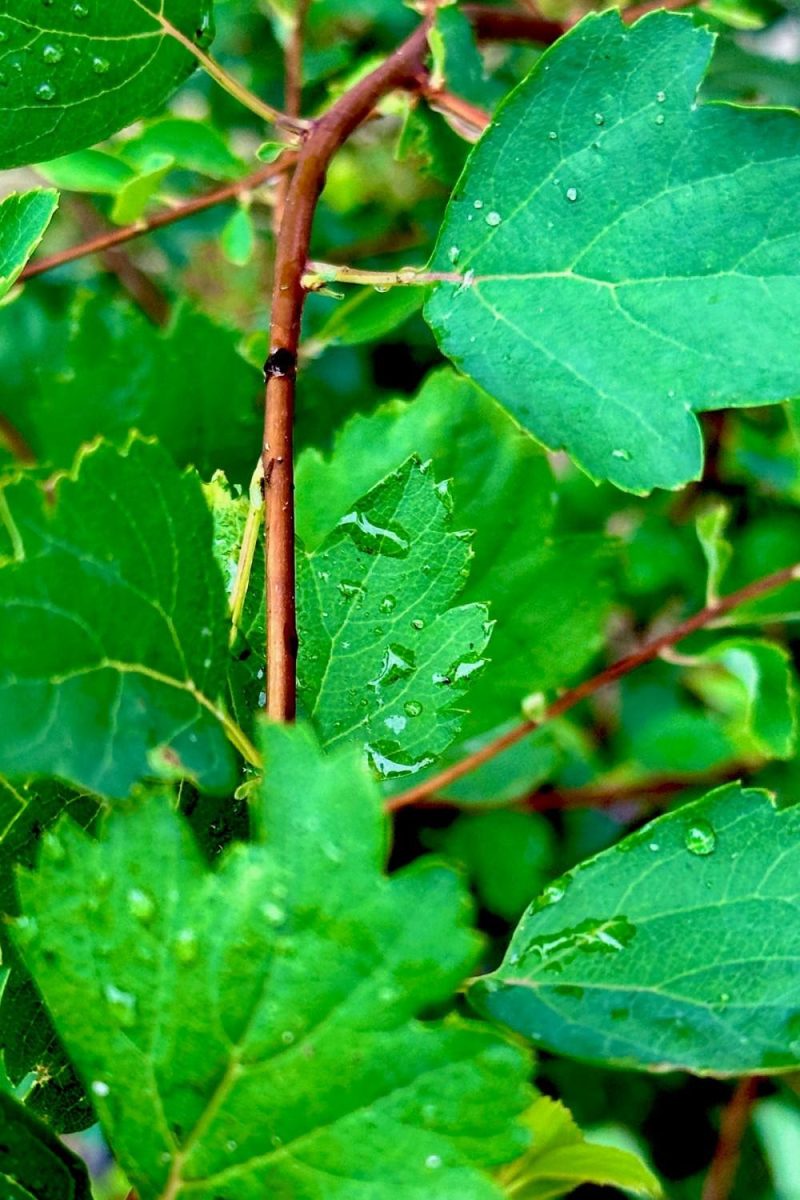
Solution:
(238, 239)
(73, 73)
(23, 221)
(605, 303)
(193, 145)
(383, 658)
(711, 524)
(29, 1048)
(561, 1159)
(503, 488)
(134, 196)
(115, 629)
(367, 316)
(765, 673)
(87, 171)
(522, 842)
(186, 385)
(34, 1163)
(677, 948)
(253, 1031)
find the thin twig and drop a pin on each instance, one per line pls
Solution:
(733, 1126)
(188, 208)
(329, 133)
(572, 697)
(510, 25)
(466, 119)
(292, 93)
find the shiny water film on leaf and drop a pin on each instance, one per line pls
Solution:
(678, 948)
(74, 71)
(627, 257)
(384, 659)
(254, 1031)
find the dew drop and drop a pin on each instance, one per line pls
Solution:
(52, 53)
(100, 66)
(80, 12)
(412, 708)
(700, 839)
(433, 1161)
(373, 538)
(493, 218)
(552, 894)
(654, 847)
(122, 1005)
(661, 97)
(186, 947)
(287, 1037)
(45, 92)
(477, 204)
(572, 194)
(625, 455)
(417, 623)
(453, 254)
(552, 135)
(388, 604)
(141, 906)
(231, 1146)
(100, 1088)
(204, 34)
(599, 119)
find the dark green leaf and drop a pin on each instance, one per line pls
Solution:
(678, 948)
(73, 73)
(603, 301)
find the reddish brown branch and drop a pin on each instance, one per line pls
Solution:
(511, 25)
(327, 135)
(733, 1126)
(118, 237)
(572, 697)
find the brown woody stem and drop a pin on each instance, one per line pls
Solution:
(118, 237)
(325, 138)
(572, 697)
(733, 1126)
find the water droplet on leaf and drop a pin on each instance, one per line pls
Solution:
(700, 838)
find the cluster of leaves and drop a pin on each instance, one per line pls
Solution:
(206, 947)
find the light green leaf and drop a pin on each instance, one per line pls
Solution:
(87, 171)
(561, 1159)
(547, 594)
(711, 524)
(73, 73)
(135, 195)
(253, 1031)
(212, 419)
(765, 673)
(34, 1163)
(610, 288)
(383, 658)
(367, 316)
(193, 145)
(23, 221)
(29, 1048)
(114, 642)
(678, 948)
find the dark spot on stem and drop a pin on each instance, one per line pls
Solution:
(281, 364)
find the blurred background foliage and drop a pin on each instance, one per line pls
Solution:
(667, 732)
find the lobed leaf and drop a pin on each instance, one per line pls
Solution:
(383, 658)
(255, 1030)
(624, 257)
(676, 949)
(114, 641)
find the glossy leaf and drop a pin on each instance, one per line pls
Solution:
(114, 639)
(384, 659)
(678, 948)
(253, 1031)
(605, 302)
(23, 221)
(73, 73)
